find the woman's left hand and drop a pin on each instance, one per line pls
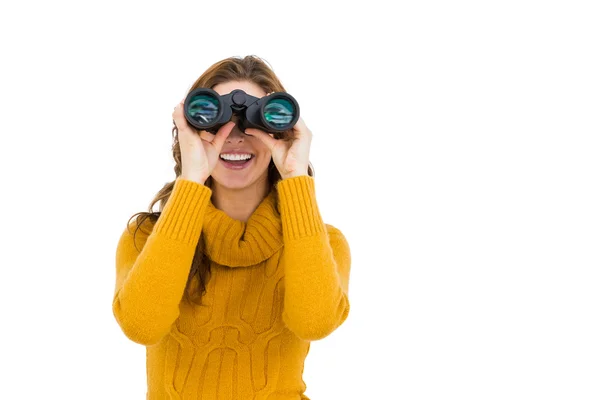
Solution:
(290, 157)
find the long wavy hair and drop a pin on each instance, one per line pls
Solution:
(250, 68)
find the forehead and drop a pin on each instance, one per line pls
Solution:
(249, 87)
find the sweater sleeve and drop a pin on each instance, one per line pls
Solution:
(150, 283)
(316, 259)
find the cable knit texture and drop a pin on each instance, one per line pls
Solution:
(277, 282)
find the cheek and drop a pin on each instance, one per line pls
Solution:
(263, 152)
(264, 158)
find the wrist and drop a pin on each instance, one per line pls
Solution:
(201, 179)
(293, 175)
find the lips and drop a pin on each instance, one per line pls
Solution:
(236, 165)
(237, 151)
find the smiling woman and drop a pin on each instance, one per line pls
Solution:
(227, 284)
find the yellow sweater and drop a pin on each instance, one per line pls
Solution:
(277, 282)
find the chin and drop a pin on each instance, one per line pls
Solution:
(233, 180)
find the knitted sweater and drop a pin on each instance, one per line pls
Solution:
(277, 282)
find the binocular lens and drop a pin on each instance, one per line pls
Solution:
(279, 112)
(203, 108)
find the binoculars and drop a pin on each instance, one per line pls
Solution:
(205, 109)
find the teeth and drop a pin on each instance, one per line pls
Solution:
(235, 157)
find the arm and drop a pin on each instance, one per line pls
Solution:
(150, 284)
(316, 261)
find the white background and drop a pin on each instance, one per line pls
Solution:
(455, 145)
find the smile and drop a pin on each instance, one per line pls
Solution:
(236, 165)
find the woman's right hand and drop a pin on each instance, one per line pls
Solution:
(199, 151)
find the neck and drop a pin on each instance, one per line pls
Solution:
(239, 203)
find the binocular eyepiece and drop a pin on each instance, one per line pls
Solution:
(206, 110)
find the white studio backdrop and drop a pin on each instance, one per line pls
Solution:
(455, 145)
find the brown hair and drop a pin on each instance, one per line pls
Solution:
(250, 68)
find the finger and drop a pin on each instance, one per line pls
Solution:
(179, 118)
(207, 136)
(264, 137)
(180, 103)
(175, 111)
(301, 127)
(222, 135)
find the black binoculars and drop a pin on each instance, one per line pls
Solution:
(205, 109)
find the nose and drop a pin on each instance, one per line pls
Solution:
(236, 134)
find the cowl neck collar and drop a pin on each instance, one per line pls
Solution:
(236, 243)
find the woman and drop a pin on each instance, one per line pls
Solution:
(229, 283)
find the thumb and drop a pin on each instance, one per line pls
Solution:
(222, 135)
(264, 137)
